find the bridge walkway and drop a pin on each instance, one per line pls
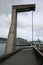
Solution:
(23, 57)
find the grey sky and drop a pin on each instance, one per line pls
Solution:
(25, 18)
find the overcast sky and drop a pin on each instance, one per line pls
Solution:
(24, 20)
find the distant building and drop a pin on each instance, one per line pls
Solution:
(3, 40)
(20, 41)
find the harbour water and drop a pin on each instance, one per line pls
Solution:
(2, 48)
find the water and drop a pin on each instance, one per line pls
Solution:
(2, 48)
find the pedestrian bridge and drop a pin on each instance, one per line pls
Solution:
(23, 57)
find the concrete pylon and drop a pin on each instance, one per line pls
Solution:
(11, 41)
(12, 34)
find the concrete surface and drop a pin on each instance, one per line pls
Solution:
(24, 57)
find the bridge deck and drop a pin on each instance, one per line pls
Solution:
(24, 57)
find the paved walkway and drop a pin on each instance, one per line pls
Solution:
(24, 57)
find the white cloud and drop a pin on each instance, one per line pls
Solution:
(4, 25)
(25, 33)
(5, 21)
(24, 20)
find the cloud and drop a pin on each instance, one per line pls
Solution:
(24, 20)
(24, 33)
(5, 22)
(6, 5)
